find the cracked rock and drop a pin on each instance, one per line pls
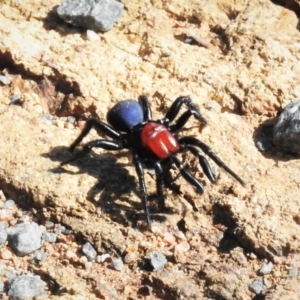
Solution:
(97, 15)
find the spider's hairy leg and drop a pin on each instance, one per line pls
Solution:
(186, 174)
(97, 125)
(189, 140)
(140, 172)
(203, 163)
(104, 144)
(193, 110)
(159, 172)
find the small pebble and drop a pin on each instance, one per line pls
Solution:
(15, 100)
(26, 287)
(49, 224)
(117, 264)
(71, 119)
(49, 237)
(89, 251)
(92, 35)
(266, 269)
(5, 79)
(24, 238)
(256, 287)
(293, 272)
(157, 260)
(9, 204)
(102, 258)
(60, 229)
(38, 257)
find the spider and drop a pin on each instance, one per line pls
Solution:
(153, 144)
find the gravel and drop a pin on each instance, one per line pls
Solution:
(49, 237)
(89, 251)
(286, 134)
(39, 256)
(26, 286)
(97, 15)
(117, 264)
(5, 79)
(157, 260)
(257, 287)
(266, 269)
(24, 238)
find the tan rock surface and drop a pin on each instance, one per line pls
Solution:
(246, 69)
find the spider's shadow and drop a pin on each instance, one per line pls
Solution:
(113, 188)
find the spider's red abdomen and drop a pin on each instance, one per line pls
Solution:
(159, 140)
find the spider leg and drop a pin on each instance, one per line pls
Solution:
(189, 140)
(99, 126)
(104, 144)
(192, 111)
(144, 102)
(159, 172)
(186, 174)
(203, 163)
(140, 172)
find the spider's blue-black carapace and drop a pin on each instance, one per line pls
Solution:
(124, 115)
(153, 144)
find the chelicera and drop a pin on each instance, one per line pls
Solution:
(154, 144)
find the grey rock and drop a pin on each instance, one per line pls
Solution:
(60, 229)
(1, 287)
(266, 269)
(26, 287)
(9, 203)
(157, 260)
(24, 238)
(38, 256)
(97, 15)
(5, 79)
(89, 251)
(71, 119)
(286, 135)
(117, 264)
(257, 287)
(49, 237)
(3, 233)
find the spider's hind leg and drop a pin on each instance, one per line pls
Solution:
(104, 144)
(203, 163)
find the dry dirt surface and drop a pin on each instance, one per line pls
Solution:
(241, 68)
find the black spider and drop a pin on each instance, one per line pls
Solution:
(153, 144)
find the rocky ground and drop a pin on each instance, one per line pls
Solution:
(241, 68)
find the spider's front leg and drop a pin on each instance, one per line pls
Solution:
(174, 111)
(98, 126)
